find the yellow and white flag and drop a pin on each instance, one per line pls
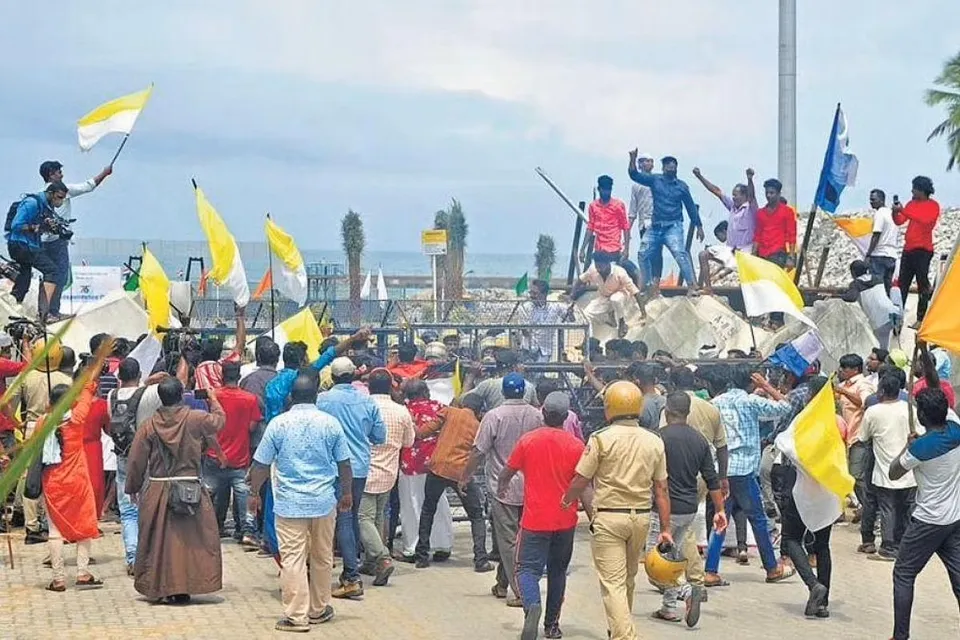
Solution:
(155, 287)
(227, 269)
(768, 289)
(815, 447)
(941, 325)
(290, 278)
(301, 327)
(859, 230)
(116, 116)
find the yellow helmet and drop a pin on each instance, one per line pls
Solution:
(662, 570)
(622, 399)
(54, 356)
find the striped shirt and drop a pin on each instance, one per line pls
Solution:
(385, 458)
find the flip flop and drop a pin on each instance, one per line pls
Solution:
(660, 615)
(89, 582)
(785, 572)
(719, 583)
(56, 588)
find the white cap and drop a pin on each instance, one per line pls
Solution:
(342, 366)
(645, 156)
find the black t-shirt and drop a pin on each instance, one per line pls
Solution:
(688, 455)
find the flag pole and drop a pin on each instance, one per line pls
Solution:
(120, 148)
(813, 210)
(273, 319)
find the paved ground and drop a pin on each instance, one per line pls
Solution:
(450, 601)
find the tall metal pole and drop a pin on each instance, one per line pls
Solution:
(787, 132)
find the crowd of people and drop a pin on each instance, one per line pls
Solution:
(333, 456)
(656, 208)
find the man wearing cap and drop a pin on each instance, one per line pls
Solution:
(641, 209)
(500, 430)
(548, 459)
(364, 426)
(608, 228)
(57, 247)
(627, 465)
(670, 196)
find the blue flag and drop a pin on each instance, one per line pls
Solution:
(839, 166)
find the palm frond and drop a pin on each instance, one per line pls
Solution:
(351, 233)
(947, 96)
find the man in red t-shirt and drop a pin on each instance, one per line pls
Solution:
(922, 213)
(548, 459)
(775, 231)
(228, 469)
(608, 229)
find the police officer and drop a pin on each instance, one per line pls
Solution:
(626, 464)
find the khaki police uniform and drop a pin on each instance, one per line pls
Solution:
(623, 460)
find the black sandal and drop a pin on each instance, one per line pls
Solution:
(56, 587)
(90, 582)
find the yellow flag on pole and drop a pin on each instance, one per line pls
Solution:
(115, 116)
(301, 327)
(227, 271)
(155, 287)
(767, 289)
(291, 276)
(941, 325)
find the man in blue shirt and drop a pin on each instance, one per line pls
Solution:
(310, 453)
(670, 196)
(23, 243)
(275, 402)
(363, 426)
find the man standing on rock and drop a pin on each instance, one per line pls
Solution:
(613, 285)
(641, 212)
(670, 196)
(608, 229)
(884, 243)
(922, 213)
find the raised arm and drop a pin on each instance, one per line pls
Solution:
(646, 179)
(709, 186)
(241, 344)
(751, 190)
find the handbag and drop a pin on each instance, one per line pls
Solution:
(184, 496)
(33, 486)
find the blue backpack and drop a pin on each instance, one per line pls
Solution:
(12, 211)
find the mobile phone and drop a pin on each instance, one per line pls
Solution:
(201, 394)
(896, 199)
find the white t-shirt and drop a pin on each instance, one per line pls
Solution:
(886, 425)
(889, 244)
(109, 457)
(938, 482)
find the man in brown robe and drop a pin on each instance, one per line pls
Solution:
(177, 555)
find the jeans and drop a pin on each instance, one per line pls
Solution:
(745, 493)
(27, 260)
(687, 544)
(129, 513)
(920, 542)
(373, 509)
(896, 506)
(348, 534)
(59, 253)
(796, 540)
(653, 266)
(861, 461)
(916, 264)
(668, 234)
(883, 268)
(539, 549)
(472, 500)
(219, 483)
(680, 526)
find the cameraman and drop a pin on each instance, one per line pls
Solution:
(23, 244)
(57, 245)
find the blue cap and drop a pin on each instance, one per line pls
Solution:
(514, 385)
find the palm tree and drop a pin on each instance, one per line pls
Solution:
(457, 230)
(440, 222)
(545, 257)
(948, 95)
(351, 234)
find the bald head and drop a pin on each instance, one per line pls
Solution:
(304, 390)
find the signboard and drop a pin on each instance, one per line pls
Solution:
(434, 242)
(91, 284)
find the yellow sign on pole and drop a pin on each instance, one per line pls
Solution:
(434, 242)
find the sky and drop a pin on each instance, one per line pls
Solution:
(306, 109)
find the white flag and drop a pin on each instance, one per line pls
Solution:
(365, 290)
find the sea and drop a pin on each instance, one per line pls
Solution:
(175, 256)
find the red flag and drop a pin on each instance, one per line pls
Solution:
(202, 287)
(265, 285)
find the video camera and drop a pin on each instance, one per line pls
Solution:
(57, 225)
(182, 341)
(19, 328)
